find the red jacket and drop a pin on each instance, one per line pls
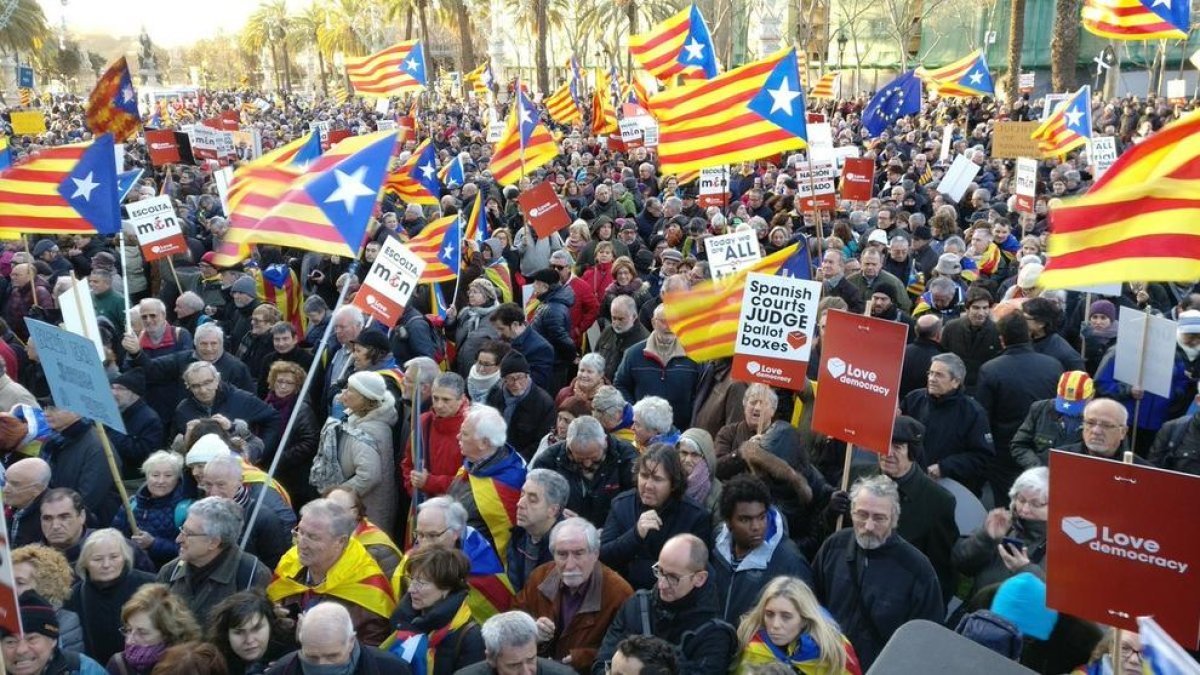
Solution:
(439, 436)
(585, 310)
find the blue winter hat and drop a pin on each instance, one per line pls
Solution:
(1022, 600)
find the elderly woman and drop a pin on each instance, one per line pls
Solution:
(625, 281)
(788, 626)
(641, 520)
(435, 606)
(107, 579)
(45, 571)
(159, 506)
(377, 542)
(259, 343)
(700, 466)
(284, 380)
(152, 621)
(589, 378)
(653, 422)
(1011, 540)
(357, 453)
(246, 631)
(469, 328)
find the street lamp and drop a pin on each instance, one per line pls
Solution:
(841, 40)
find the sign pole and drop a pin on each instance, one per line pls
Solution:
(1115, 653)
(845, 478)
(32, 277)
(415, 435)
(1137, 404)
(1087, 302)
(125, 283)
(171, 264)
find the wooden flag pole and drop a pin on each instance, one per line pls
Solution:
(845, 478)
(1087, 303)
(171, 264)
(1115, 652)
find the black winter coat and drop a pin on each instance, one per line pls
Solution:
(631, 556)
(532, 419)
(371, 661)
(1054, 345)
(459, 648)
(234, 404)
(957, 437)
(642, 374)
(917, 357)
(927, 522)
(975, 346)
(1177, 445)
(552, 321)
(99, 610)
(592, 498)
(1008, 385)
(690, 624)
(1042, 429)
(143, 435)
(77, 461)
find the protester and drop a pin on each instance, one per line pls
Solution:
(787, 626)
(152, 620)
(246, 632)
(107, 580)
(435, 607)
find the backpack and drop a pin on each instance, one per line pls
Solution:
(987, 628)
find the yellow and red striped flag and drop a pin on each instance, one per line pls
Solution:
(481, 79)
(1136, 19)
(680, 45)
(416, 180)
(828, 87)
(1068, 127)
(355, 578)
(562, 106)
(604, 115)
(750, 112)
(391, 72)
(67, 189)
(428, 244)
(966, 77)
(1136, 223)
(525, 146)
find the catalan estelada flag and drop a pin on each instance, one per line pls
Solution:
(562, 106)
(705, 317)
(454, 174)
(1136, 223)
(604, 112)
(416, 180)
(741, 115)
(1137, 19)
(525, 146)
(490, 590)
(112, 107)
(803, 656)
(968, 76)
(681, 45)
(326, 209)
(391, 72)
(476, 228)
(355, 578)
(828, 87)
(68, 189)
(1068, 127)
(431, 244)
(481, 79)
(496, 487)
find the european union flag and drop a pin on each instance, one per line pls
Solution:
(900, 97)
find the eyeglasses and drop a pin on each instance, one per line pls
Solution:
(671, 579)
(1098, 424)
(419, 584)
(298, 534)
(428, 536)
(481, 364)
(558, 268)
(149, 315)
(1022, 500)
(1127, 651)
(137, 632)
(186, 534)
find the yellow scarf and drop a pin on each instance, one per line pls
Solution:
(355, 578)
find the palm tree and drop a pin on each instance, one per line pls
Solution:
(1016, 40)
(269, 25)
(306, 32)
(26, 29)
(1064, 45)
(396, 8)
(341, 33)
(540, 17)
(454, 14)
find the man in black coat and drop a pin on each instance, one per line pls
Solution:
(596, 465)
(958, 440)
(143, 427)
(869, 578)
(326, 636)
(509, 322)
(211, 396)
(164, 375)
(1043, 317)
(1008, 385)
(919, 354)
(681, 609)
(77, 461)
(527, 408)
(833, 273)
(973, 336)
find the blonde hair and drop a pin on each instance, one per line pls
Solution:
(822, 630)
(52, 576)
(167, 612)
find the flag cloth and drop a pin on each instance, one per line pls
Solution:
(6, 155)
(393, 71)
(126, 181)
(419, 650)
(1068, 127)
(496, 487)
(428, 246)
(1135, 222)
(368, 534)
(355, 578)
(279, 285)
(680, 45)
(1162, 655)
(705, 317)
(476, 228)
(326, 209)
(481, 79)
(416, 180)
(453, 175)
(968, 76)
(525, 146)
(900, 97)
(112, 107)
(68, 189)
(744, 114)
(604, 112)
(828, 87)
(490, 590)
(805, 659)
(1137, 19)
(562, 106)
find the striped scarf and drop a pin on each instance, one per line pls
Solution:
(419, 650)
(496, 487)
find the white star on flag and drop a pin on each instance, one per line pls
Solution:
(1161, 2)
(695, 50)
(427, 169)
(1073, 116)
(525, 117)
(448, 251)
(83, 188)
(782, 97)
(127, 94)
(976, 77)
(413, 64)
(349, 188)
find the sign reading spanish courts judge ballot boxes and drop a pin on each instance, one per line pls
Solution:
(390, 282)
(775, 330)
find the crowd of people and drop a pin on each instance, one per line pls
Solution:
(555, 486)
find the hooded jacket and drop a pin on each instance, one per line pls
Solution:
(741, 581)
(552, 321)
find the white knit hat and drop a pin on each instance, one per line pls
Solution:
(208, 447)
(369, 385)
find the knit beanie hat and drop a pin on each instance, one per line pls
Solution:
(513, 362)
(369, 384)
(207, 447)
(1022, 600)
(1103, 307)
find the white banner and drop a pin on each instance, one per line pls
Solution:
(728, 253)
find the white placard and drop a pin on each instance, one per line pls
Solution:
(79, 315)
(820, 142)
(382, 105)
(1176, 89)
(820, 180)
(778, 318)
(154, 219)
(1109, 290)
(322, 127)
(1052, 101)
(386, 125)
(650, 135)
(223, 178)
(841, 152)
(119, 156)
(1152, 367)
(728, 253)
(1026, 184)
(956, 181)
(630, 130)
(495, 132)
(390, 282)
(714, 180)
(1195, 59)
(204, 138)
(947, 140)
(1026, 81)
(1103, 150)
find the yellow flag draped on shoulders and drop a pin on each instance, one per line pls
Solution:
(355, 578)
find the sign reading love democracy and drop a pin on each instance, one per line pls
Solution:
(775, 330)
(728, 253)
(157, 228)
(543, 209)
(163, 147)
(1140, 559)
(858, 179)
(390, 282)
(1026, 184)
(859, 379)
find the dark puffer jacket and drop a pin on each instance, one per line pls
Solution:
(159, 516)
(591, 498)
(630, 555)
(552, 321)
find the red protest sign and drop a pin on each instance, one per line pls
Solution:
(231, 120)
(860, 379)
(816, 118)
(162, 146)
(815, 188)
(338, 135)
(858, 179)
(1122, 543)
(10, 613)
(543, 210)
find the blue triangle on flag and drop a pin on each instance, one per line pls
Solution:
(91, 186)
(781, 99)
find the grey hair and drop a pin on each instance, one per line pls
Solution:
(878, 486)
(958, 369)
(354, 313)
(454, 513)
(229, 463)
(563, 256)
(586, 429)
(956, 241)
(606, 397)
(674, 202)
(1036, 480)
(508, 629)
(198, 366)
(153, 303)
(452, 381)
(429, 369)
(164, 457)
(594, 361)
(555, 486)
(489, 424)
(760, 389)
(341, 521)
(98, 537)
(222, 518)
(206, 328)
(625, 301)
(582, 525)
(192, 301)
(942, 285)
(655, 413)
